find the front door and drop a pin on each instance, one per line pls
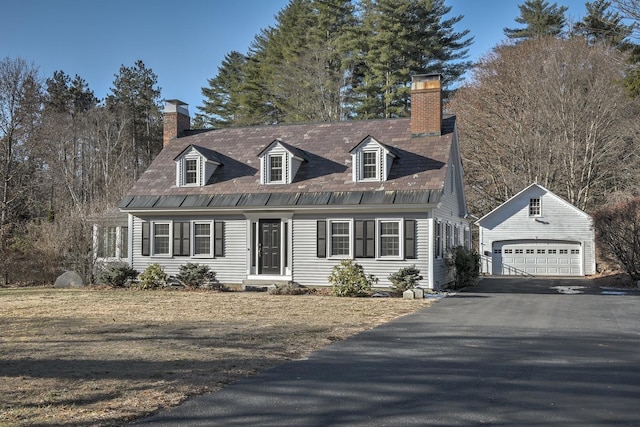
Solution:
(269, 246)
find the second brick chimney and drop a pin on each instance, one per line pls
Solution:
(176, 120)
(426, 105)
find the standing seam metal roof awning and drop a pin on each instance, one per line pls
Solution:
(402, 197)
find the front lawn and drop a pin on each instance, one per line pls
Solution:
(101, 357)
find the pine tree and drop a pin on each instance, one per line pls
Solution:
(67, 151)
(135, 98)
(222, 96)
(400, 38)
(540, 20)
(602, 25)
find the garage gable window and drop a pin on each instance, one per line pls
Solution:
(535, 208)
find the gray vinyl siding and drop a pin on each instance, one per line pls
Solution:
(230, 269)
(309, 270)
(559, 222)
(450, 211)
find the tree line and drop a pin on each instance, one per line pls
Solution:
(331, 60)
(65, 155)
(556, 103)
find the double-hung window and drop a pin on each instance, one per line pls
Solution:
(161, 238)
(276, 168)
(438, 243)
(199, 239)
(340, 238)
(202, 239)
(191, 171)
(369, 165)
(390, 237)
(535, 207)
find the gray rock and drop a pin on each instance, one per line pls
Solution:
(69, 279)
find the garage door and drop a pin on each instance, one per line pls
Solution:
(538, 258)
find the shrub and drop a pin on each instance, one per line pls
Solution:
(195, 275)
(116, 274)
(618, 231)
(153, 277)
(465, 263)
(348, 280)
(404, 279)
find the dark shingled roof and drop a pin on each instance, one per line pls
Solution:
(416, 177)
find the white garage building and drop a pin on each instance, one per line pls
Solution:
(537, 233)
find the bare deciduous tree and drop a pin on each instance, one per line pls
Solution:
(550, 111)
(618, 230)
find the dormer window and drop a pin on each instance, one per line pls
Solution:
(371, 160)
(275, 169)
(191, 171)
(195, 165)
(370, 165)
(279, 163)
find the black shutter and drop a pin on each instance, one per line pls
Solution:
(322, 239)
(365, 238)
(146, 231)
(181, 238)
(359, 239)
(218, 250)
(410, 238)
(370, 239)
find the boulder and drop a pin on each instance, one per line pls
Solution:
(69, 279)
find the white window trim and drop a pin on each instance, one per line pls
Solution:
(181, 171)
(152, 237)
(378, 165)
(100, 235)
(438, 239)
(400, 222)
(267, 168)
(330, 240)
(193, 238)
(197, 181)
(539, 214)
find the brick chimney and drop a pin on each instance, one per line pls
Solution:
(426, 105)
(176, 120)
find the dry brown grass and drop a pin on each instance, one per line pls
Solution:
(101, 357)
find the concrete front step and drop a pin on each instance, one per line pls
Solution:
(257, 285)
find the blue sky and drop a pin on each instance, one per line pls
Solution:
(182, 41)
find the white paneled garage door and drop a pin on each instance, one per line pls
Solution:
(538, 258)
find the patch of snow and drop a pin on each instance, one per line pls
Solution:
(569, 290)
(613, 293)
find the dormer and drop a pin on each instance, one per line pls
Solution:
(279, 163)
(195, 165)
(371, 160)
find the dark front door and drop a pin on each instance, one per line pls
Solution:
(269, 246)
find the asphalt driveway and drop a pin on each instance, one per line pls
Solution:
(507, 352)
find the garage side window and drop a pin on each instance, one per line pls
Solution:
(535, 207)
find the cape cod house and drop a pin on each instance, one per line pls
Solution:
(537, 233)
(287, 203)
